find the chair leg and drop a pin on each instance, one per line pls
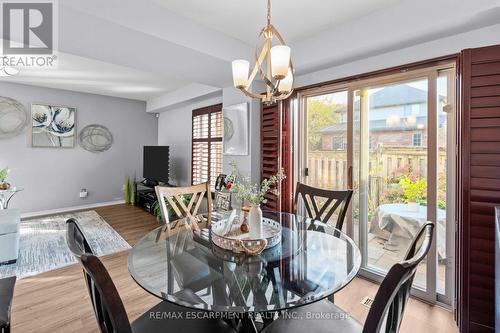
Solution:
(248, 324)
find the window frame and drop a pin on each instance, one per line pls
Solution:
(209, 110)
(417, 135)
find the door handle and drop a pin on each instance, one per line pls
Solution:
(349, 178)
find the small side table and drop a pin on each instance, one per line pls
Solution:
(6, 195)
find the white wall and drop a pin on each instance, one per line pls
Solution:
(175, 130)
(440, 47)
(53, 177)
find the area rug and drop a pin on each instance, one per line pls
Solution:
(42, 245)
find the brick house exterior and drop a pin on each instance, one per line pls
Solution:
(398, 118)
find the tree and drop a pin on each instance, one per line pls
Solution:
(321, 113)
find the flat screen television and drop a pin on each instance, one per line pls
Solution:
(156, 163)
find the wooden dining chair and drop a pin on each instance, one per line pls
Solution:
(321, 204)
(386, 312)
(173, 195)
(108, 306)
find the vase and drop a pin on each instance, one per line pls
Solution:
(255, 222)
(413, 207)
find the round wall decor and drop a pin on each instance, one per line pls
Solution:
(13, 117)
(95, 138)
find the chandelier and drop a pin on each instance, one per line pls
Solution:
(272, 63)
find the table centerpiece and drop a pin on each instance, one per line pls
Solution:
(255, 195)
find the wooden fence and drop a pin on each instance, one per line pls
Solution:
(328, 169)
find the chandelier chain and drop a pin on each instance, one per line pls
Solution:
(268, 12)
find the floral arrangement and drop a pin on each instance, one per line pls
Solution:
(415, 190)
(253, 193)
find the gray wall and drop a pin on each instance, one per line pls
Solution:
(53, 177)
(174, 130)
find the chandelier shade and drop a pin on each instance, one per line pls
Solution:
(280, 61)
(273, 63)
(240, 73)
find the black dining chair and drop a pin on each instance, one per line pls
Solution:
(78, 244)
(321, 204)
(386, 312)
(6, 294)
(108, 306)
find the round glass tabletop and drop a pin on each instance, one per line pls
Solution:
(312, 261)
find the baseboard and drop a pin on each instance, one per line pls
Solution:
(69, 209)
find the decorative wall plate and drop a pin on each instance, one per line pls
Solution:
(13, 117)
(95, 138)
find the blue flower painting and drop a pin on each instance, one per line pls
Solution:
(53, 126)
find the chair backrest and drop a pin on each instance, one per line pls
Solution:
(108, 306)
(332, 200)
(386, 312)
(106, 302)
(76, 240)
(172, 195)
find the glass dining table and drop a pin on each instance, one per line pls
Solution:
(180, 265)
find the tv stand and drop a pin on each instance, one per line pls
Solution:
(145, 195)
(149, 183)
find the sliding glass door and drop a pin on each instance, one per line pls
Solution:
(391, 139)
(326, 147)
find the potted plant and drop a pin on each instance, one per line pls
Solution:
(414, 192)
(172, 216)
(3, 175)
(129, 191)
(255, 195)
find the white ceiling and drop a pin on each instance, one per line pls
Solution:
(97, 77)
(156, 49)
(294, 19)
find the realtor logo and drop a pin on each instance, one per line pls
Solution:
(27, 28)
(28, 33)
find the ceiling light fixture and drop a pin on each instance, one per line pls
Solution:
(273, 63)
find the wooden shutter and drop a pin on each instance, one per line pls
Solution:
(276, 152)
(479, 187)
(207, 144)
(270, 149)
(287, 155)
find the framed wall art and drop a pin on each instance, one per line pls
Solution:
(53, 126)
(235, 129)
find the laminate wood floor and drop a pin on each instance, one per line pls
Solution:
(57, 301)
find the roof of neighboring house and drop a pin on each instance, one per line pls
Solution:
(401, 94)
(381, 125)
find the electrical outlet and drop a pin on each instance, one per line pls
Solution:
(83, 193)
